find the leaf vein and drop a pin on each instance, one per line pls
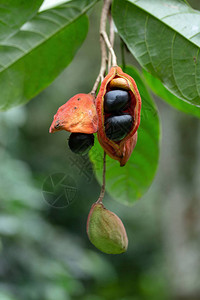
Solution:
(50, 20)
(172, 62)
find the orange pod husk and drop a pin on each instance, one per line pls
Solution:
(120, 150)
(78, 114)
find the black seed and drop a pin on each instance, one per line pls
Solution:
(81, 143)
(117, 127)
(116, 100)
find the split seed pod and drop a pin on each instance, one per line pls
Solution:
(78, 114)
(119, 150)
(82, 114)
(106, 231)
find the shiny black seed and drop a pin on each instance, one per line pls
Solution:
(116, 100)
(81, 143)
(117, 127)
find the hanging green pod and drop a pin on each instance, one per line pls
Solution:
(106, 231)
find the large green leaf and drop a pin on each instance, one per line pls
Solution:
(34, 56)
(127, 184)
(158, 88)
(14, 13)
(164, 36)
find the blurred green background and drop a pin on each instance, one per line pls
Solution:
(44, 251)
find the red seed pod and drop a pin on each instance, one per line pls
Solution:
(78, 114)
(119, 150)
(82, 114)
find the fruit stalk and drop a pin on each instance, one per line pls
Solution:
(103, 187)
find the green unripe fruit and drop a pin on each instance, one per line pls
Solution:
(106, 231)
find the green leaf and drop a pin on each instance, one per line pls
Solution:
(127, 184)
(14, 13)
(158, 88)
(164, 36)
(32, 58)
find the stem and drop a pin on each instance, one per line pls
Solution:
(103, 187)
(110, 48)
(102, 71)
(112, 37)
(100, 77)
(104, 15)
(104, 42)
